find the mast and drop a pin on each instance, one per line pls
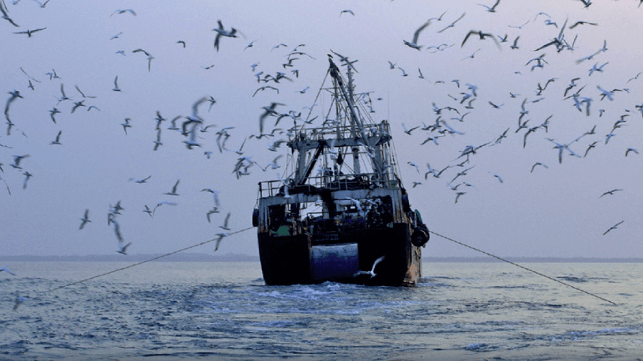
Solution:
(357, 127)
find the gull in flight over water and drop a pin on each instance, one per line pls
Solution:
(220, 237)
(613, 227)
(225, 223)
(122, 249)
(372, 271)
(5, 269)
(85, 219)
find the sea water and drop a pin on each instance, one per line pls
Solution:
(221, 310)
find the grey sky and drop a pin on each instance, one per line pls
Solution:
(550, 212)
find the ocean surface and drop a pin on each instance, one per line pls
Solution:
(223, 311)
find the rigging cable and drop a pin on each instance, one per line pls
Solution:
(523, 267)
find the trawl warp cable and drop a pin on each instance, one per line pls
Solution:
(523, 267)
(149, 260)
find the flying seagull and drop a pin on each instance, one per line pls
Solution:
(491, 9)
(29, 32)
(123, 11)
(225, 223)
(613, 227)
(85, 219)
(173, 192)
(610, 192)
(414, 44)
(122, 249)
(222, 32)
(5, 269)
(220, 237)
(372, 271)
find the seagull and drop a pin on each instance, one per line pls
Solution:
(514, 46)
(126, 125)
(119, 11)
(372, 271)
(453, 23)
(181, 42)
(221, 32)
(613, 227)
(225, 223)
(250, 45)
(173, 192)
(581, 22)
(496, 106)
(6, 16)
(117, 231)
(346, 11)
(221, 236)
(148, 211)
(278, 46)
(212, 211)
(162, 203)
(214, 193)
(85, 219)
(83, 94)
(57, 141)
(631, 150)
(116, 88)
(17, 159)
(413, 44)
(269, 110)
(5, 269)
(481, 35)
(78, 105)
(537, 164)
(414, 165)
(28, 32)
(14, 95)
(408, 131)
(264, 88)
(610, 192)
(491, 9)
(19, 300)
(597, 68)
(139, 50)
(122, 249)
(212, 102)
(6, 185)
(140, 181)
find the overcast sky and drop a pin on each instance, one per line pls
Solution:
(556, 211)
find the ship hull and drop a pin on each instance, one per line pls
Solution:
(300, 259)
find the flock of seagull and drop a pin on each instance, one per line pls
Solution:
(462, 103)
(192, 128)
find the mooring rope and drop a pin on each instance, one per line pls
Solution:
(142, 262)
(523, 267)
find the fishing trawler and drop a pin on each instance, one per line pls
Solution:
(342, 214)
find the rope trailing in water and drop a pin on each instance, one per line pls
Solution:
(149, 260)
(523, 267)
